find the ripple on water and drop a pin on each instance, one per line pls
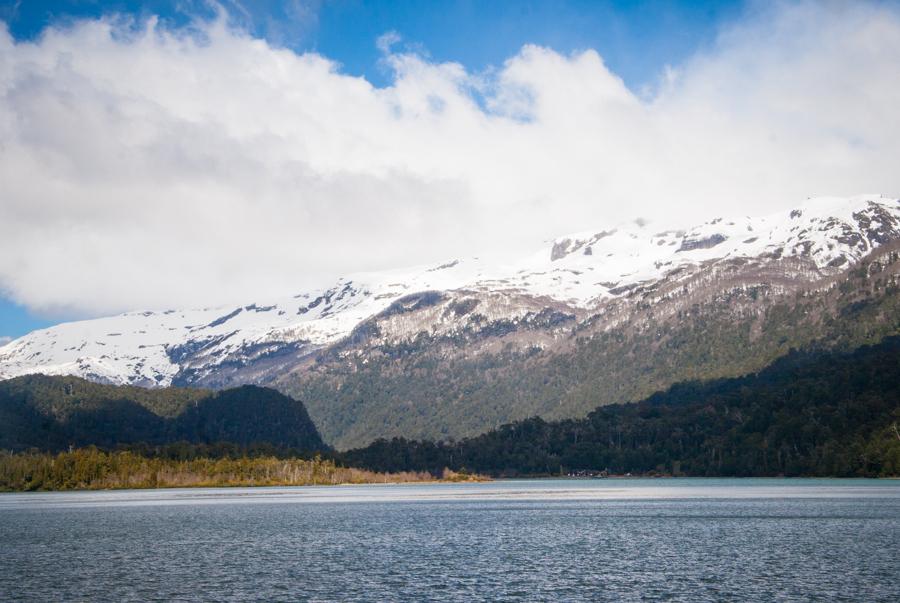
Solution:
(561, 540)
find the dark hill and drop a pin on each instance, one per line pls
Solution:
(53, 413)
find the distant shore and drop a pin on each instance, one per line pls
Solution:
(93, 469)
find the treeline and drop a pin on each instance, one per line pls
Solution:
(808, 414)
(94, 469)
(55, 413)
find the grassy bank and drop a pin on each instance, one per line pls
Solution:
(93, 469)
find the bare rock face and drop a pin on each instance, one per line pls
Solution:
(702, 243)
(566, 246)
(560, 249)
(453, 349)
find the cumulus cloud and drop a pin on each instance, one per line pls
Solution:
(144, 168)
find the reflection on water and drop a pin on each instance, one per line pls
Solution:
(550, 540)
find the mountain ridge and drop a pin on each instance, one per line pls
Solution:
(453, 349)
(175, 346)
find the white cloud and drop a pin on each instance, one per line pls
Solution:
(4, 340)
(386, 40)
(154, 168)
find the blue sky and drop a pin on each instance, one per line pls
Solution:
(636, 39)
(16, 320)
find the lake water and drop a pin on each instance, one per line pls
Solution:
(537, 540)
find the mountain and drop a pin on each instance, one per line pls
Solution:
(53, 413)
(811, 413)
(451, 350)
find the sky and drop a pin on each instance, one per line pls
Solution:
(186, 153)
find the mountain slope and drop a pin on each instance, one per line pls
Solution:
(580, 274)
(453, 349)
(438, 388)
(819, 413)
(52, 413)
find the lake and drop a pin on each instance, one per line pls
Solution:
(518, 540)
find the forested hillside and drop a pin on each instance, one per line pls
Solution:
(814, 413)
(437, 387)
(54, 413)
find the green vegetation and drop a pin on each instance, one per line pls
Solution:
(54, 413)
(814, 413)
(93, 469)
(431, 388)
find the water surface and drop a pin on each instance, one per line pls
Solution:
(529, 540)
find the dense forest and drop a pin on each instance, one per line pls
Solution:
(55, 413)
(811, 413)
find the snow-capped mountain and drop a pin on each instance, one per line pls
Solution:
(577, 277)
